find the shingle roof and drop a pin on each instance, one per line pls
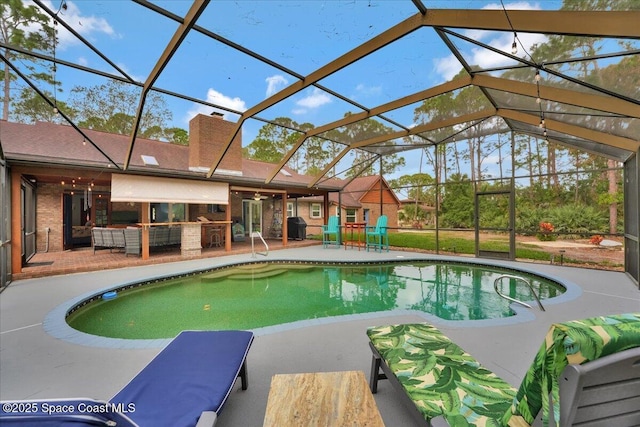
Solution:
(353, 192)
(62, 145)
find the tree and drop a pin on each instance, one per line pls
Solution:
(418, 187)
(432, 110)
(361, 131)
(30, 107)
(414, 214)
(28, 28)
(274, 141)
(457, 202)
(177, 136)
(111, 107)
(316, 156)
(619, 76)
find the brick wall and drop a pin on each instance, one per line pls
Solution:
(207, 136)
(314, 224)
(390, 210)
(49, 214)
(191, 240)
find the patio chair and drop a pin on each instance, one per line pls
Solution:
(441, 381)
(186, 384)
(377, 237)
(98, 240)
(331, 229)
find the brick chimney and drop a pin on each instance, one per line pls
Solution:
(207, 137)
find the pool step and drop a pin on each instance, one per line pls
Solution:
(253, 272)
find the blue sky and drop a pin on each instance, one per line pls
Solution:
(300, 35)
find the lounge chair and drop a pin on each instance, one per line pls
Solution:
(442, 381)
(377, 237)
(606, 391)
(186, 384)
(331, 229)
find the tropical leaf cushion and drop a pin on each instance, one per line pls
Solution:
(440, 377)
(575, 342)
(443, 380)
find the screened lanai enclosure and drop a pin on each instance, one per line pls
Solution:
(496, 120)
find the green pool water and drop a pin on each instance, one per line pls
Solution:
(258, 295)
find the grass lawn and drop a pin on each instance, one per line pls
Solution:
(463, 242)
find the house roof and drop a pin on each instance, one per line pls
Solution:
(61, 145)
(353, 192)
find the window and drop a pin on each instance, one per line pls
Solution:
(350, 215)
(315, 210)
(215, 208)
(168, 212)
(290, 212)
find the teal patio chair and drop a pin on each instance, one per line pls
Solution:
(331, 229)
(377, 237)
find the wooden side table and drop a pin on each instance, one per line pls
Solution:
(321, 399)
(354, 234)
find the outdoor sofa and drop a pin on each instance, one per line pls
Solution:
(185, 385)
(130, 239)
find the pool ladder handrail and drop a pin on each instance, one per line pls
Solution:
(509, 276)
(255, 234)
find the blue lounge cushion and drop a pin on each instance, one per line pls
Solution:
(187, 382)
(194, 373)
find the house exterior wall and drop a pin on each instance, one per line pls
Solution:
(314, 225)
(373, 196)
(235, 202)
(389, 209)
(271, 218)
(208, 135)
(49, 214)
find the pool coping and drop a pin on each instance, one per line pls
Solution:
(55, 323)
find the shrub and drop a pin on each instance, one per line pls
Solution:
(596, 240)
(545, 232)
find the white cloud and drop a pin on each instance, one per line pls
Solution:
(215, 97)
(218, 98)
(449, 66)
(85, 25)
(315, 99)
(275, 83)
(518, 5)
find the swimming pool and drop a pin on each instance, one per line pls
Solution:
(256, 295)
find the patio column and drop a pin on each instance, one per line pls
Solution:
(190, 240)
(227, 228)
(145, 229)
(285, 228)
(16, 221)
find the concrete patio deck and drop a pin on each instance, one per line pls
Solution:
(34, 364)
